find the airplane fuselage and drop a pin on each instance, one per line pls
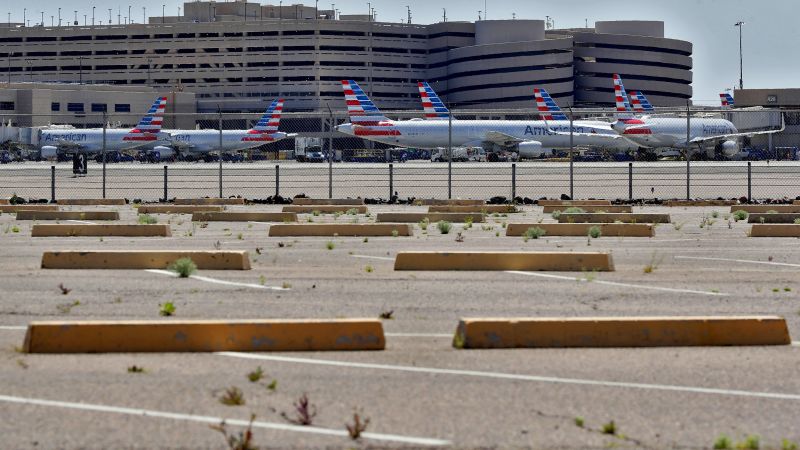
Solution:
(671, 132)
(90, 140)
(206, 141)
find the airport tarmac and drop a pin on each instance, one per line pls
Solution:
(421, 179)
(419, 391)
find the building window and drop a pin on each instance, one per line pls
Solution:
(55, 106)
(75, 107)
(6, 106)
(99, 107)
(122, 107)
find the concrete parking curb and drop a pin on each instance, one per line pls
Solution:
(209, 201)
(574, 203)
(341, 229)
(92, 201)
(178, 209)
(432, 217)
(302, 201)
(582, 229)
(791, 209)
(771, 218)
(484, 209)
(591, 208)
(324, 209)
(700, 202)
(244, 217)
(67, 215)
(561, 332)
(775, 230)
(70, 230)
(144, 259)
(613, 217)
(204, 336)
(27, 207)
(523, 261)
(450, 202)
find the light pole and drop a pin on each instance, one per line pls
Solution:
(130, 17)
(84, 20)
(109, 16)
(369, 11)
(740, 24)
(164, 6)
(59, 16)
(144, 15)
(93, 7)
(76, 17)
(24, 15)
(409, 13)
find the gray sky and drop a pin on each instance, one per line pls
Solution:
(771, 34)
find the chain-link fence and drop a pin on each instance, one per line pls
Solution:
(469, 154)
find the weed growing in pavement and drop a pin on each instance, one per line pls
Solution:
(258, 250)
(184, 267)
(315, 213)
(787, 289)
(66, 308)
(444, 226)
(459, 237)
(232, 396)
(715, 214)
(286, 285)
(167, 309)
(594, 232)
(255, 375)
(15, 229)
(304, 412)
(579, 422)
(337, 214)
(135, 369)
(677, 226)
(147, 219)
(64, 289)
(240, 236)
(797, 221)
(21, 362)
(740, 214)
(723, 443)
(241, 441)
(273, 385)
(249, 226)
(609, 428)
(387, 315)
(574, 210)
(352, 211)
(533, 233)
(655, 260)
(395, 233)
(309, 219)
(468, 222)
(330, 245)
(262, 280)
(775, 290)
(217, 245)
(423, 224)
(358, 426)
(556, 214)
(751, 442)
(365, 240)
(486, 228)
(368, 269)
(201, 225)
(788, 445)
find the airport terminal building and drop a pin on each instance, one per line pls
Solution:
(236, 56)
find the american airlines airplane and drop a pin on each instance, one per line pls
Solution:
(726, 99)
(640, 103)
(528, 137)
(207, 141)
(90, 140)
(711, 135)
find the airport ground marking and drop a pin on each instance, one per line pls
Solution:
(82, 222)
(517, 377)
(744, 261)
(422, 335)
(12, 328)
(217, 420)
(618, 284)
(218, 281)
(382, 258)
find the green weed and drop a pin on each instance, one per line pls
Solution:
(740, 214)
(184, 267)
(330, 245)
(232, 396)
(147, 219)
(167, 309)
(255, 375)
(594, 232)
(533, 233)
(444, 226)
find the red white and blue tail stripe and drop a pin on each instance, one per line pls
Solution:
(360, 108)
(726, 100)
(640, 102)
(548, 109)
(266, 129)
(431, 103)
(620, 96)
(149, 125)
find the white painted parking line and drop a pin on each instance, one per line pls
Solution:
(426, 335)
(84, 222)
(218, 281)
(514, 376)
(217, 420)
(614, 283)
(12, 328)
(382, 258)
(745, 261)
(796, 343)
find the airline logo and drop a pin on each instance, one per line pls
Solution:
(548, 109)
(621, 97)
(726, 100)
(150, 125)
(640, 102)
(433, 105)
(267, 125)
(360, 108)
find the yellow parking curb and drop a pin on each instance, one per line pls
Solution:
(432, 217)
(244, 217)
(582, 229)
(69, 230)
(324, 209)
(144, 259)
(27, 207)
(532, 261)
(341, 229)
(67, 215)
(558, 332)
(775, 230)
(209, 201)
(792, 209)
(91, 201)
(302, 201)
(613, 217)
(770, 217)
(178, 209)
(204, 336)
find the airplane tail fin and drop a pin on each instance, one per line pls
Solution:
(548, 109)
(433, 105)
(271, 119)
(621, 98)
(640, 102)
(360, 108)
(726, 99)
(152, 121)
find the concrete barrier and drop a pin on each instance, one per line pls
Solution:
(324, 209)
(796, 202)
(244, 217)
(209, 201)
(578, 203)
(561, 332)
(767, 217)
(92, 201)
(27, 207)
(582, 229)
(700, 202)
(485, 209)
(613, 217)
(302, 201)
(204, 336)
(67, 215)
(532, 261)
(144, 259)
(451, 202)
(755, 209)
(178, 209)
(341, 229)
(591, 208)
(74, 230)
(4, 201)
(432, 217)
(775, 230)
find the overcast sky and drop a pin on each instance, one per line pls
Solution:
(771, 33)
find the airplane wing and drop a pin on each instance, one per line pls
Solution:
(501, 139)
(700, 140)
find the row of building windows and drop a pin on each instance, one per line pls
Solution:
(95, 107)
(188, 51)
(155, 67)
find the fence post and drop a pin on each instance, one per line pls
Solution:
(105, 124)
(166, 193)
(391, 181)
(688, 153)
(513, 181)
(220, 154)
(331, 152)
(630, 181)
(277, 180)
(52, 184)
(571, 158)
(749, 181)
(449, 155)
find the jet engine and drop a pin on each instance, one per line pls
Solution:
(163, 152)
(531, 150)
(49, 151)
(729, 148)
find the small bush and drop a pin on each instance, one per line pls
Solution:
(184, 267)
(574, 210)
(15, 229)
(534, 233)
(147, 219)
(330, 245)
(352, 211)
(579, 422)
(594, 232)
(556, 214)
(368, 269)
(723, 443)
(468, 222)
(610, 428)
(444, 226)
(167, 309)
(233, 396)
(395, 233)
(315, 213)
(715, 214)
(797, 221)
(255, 375)
(423, 224)
(740, 215)
(751, 442)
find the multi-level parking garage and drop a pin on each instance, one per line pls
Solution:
(235, 55)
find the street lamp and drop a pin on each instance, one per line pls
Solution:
(144, 15)
(130, 17)
(24, 15)
(164, 6)
(741, 82)
(59, 16)
(409, 13)
(93, 7)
